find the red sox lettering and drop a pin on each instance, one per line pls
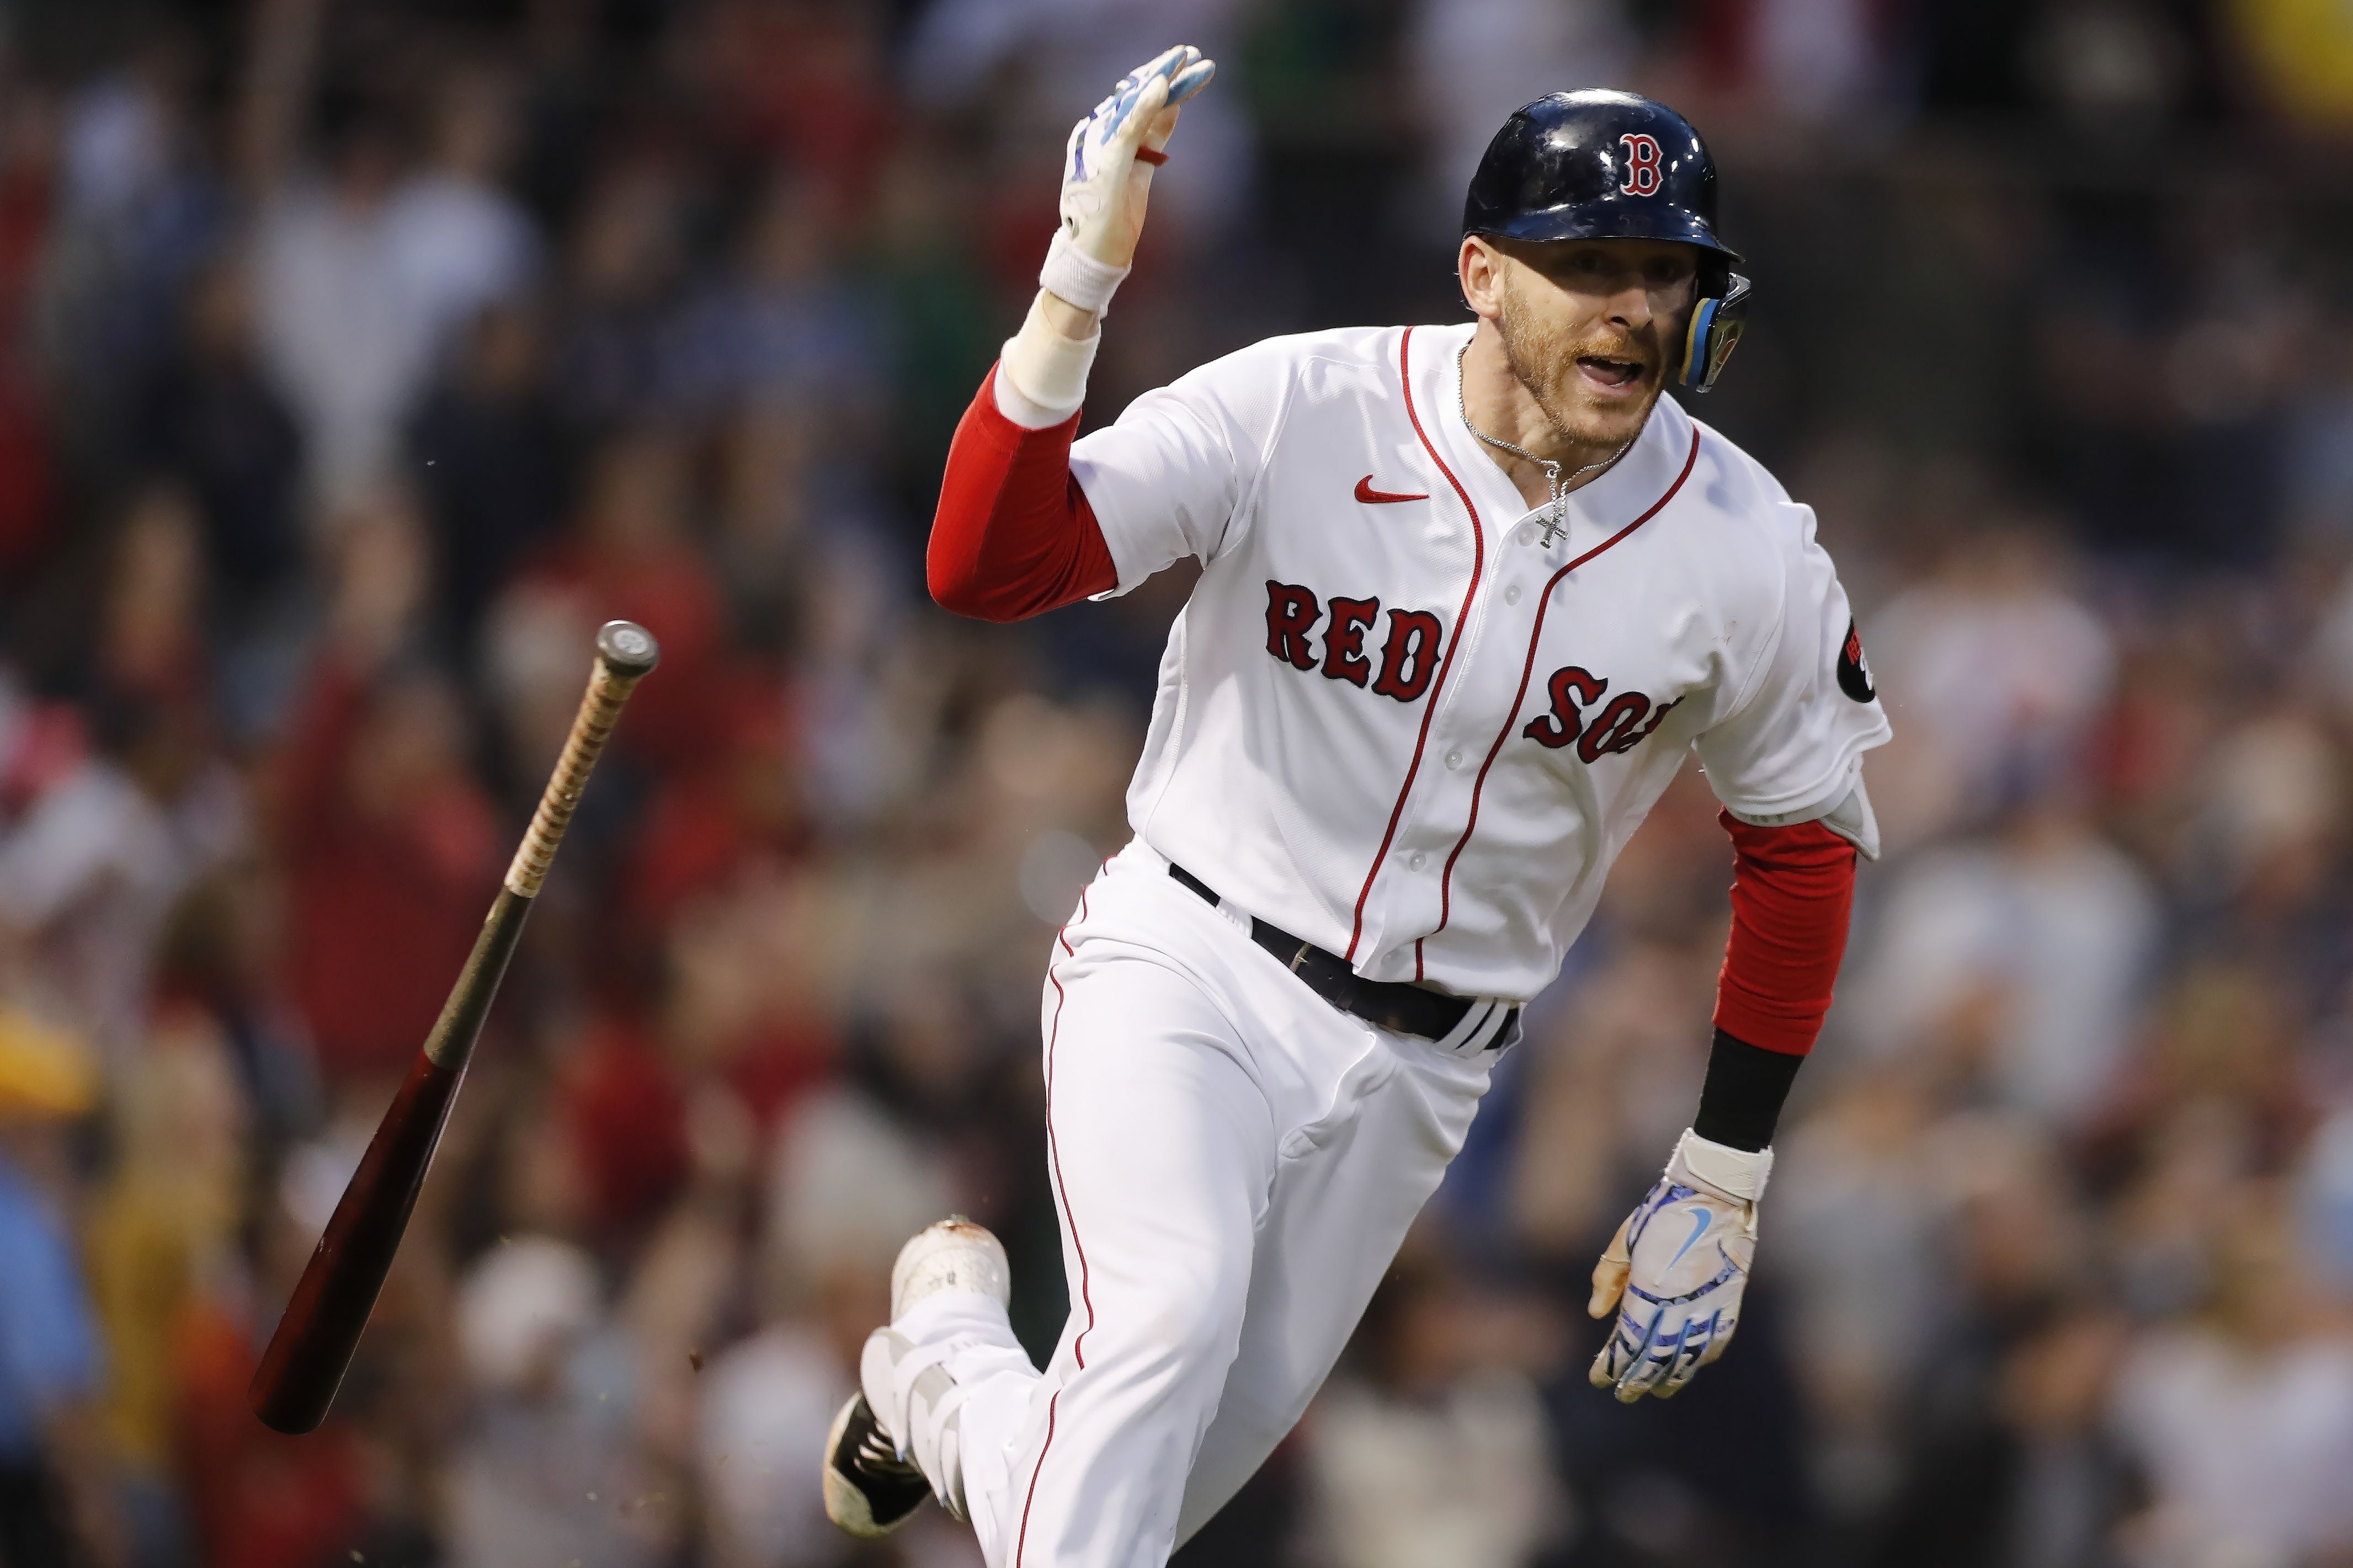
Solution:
(1616, 729)
(1409, 656)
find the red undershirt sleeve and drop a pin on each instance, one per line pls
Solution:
(1792, 891)
(1014, 536)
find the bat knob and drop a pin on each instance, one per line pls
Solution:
(628, 648)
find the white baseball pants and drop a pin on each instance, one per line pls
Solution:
(1236, 1163)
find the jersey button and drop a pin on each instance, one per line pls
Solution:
(1453, 759)
(1416, 861)
(1528, 534)
(1512, 595)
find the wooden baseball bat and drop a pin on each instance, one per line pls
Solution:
(312, 1347)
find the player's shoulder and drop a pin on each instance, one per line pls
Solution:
(1746, 538)
(1730, 482)
(1253, 387)
(1292, 353)
(1727, 476)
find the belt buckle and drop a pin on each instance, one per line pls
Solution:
(1299, 959)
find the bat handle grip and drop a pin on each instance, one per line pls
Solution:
(626, 654)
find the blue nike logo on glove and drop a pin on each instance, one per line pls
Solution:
(1702, 1217)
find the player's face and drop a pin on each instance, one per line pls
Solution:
(1590, 327)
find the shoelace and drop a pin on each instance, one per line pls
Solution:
(877, 1456)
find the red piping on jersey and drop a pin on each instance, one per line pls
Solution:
(1022, 1543)
(1086, 1293)
(1445, 663)
(1446, 877)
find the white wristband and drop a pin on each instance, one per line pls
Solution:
(1077, 277)
(1739, 1174)
(1042, 375)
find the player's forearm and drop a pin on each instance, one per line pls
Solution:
(1740, 1103)
(1014, 536)
(1042, 373)
(1072, 322)
(1792, 893)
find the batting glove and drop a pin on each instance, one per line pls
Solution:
(1107, 171)
(1676, 1269)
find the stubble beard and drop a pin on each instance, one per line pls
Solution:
(1543, 360)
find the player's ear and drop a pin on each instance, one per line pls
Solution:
(1479, 267)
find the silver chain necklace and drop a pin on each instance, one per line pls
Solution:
(1555, 523)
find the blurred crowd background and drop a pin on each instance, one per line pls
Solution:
(358, 357)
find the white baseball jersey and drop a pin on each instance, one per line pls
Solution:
(1402, 718)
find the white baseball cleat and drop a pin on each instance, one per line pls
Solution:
(953, 1255)
(873, 1484)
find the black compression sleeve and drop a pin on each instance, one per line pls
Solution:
(1742, 1098)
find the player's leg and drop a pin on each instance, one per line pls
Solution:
(1344, 1196)
(1162, 1148)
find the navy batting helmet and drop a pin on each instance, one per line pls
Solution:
(1598, 165)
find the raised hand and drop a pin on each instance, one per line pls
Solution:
(1108, 161)
(1106, 180)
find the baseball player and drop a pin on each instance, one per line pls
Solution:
(1469, 594)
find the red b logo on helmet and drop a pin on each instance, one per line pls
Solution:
(1642, 163)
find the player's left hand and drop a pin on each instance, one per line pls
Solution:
(1676, 1269)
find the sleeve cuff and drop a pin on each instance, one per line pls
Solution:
(1852, 819)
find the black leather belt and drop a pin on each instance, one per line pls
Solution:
(1391, 1005)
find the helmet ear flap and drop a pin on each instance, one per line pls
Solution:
(1717, 323)
(1714, 275)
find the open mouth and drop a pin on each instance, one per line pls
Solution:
(1616, 374)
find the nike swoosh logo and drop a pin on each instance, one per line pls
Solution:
(1698, 1229)
(1371, 497)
